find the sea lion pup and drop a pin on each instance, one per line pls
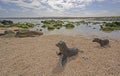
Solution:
(102, 43)
(65, 51)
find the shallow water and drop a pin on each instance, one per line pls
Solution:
(85, 30)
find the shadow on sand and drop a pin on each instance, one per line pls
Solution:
(99, 47)
(59, 67)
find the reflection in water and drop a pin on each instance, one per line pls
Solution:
(85, 30)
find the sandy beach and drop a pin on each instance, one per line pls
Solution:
(36, 56)
(33, 32)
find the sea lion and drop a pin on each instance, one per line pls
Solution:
(102, 43)
(65, 51)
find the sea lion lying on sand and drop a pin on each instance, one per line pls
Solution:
(65, 51)
(102, 43)
(28, 34)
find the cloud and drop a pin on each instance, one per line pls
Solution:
(60, 5)
(115, 1)
(57, 7)
(2, 9)
(24, 3)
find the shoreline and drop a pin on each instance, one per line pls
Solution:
(85, 36)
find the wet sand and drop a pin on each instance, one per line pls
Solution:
(36, 56)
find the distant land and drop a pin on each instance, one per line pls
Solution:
(105, 18)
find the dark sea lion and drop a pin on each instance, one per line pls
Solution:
(65, 51)
(102, 43)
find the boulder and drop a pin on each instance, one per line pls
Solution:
(6, 22)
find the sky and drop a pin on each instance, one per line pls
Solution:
(59, 8)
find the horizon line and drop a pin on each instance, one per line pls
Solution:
(57, 17)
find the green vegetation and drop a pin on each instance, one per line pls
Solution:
(24, 25)
(69, 26)
(111, 26)
(82, 22)
(5, 26)
(95, 23)
(8, 23)
(52, 24)
(77, 23)
(86, 22)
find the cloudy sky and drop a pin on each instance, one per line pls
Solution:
(45, 8)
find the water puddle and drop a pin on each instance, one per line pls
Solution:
(83, 29)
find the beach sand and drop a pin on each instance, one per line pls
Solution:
(36, 56)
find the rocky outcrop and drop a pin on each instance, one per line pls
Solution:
(6, 22)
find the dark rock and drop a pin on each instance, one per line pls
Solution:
(94, 28)
(6, 22)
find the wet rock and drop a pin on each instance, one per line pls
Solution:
(6, 22)
(94, 28)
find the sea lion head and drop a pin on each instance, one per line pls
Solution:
(96, 40)
(61, 44)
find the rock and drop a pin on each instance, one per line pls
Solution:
(28, 34)
(94, 28)
(6, 22)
